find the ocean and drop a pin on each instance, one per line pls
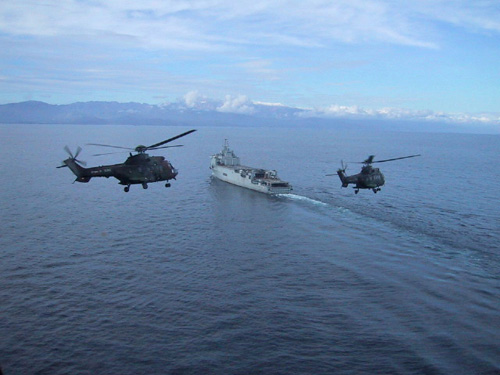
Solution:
(209, 278)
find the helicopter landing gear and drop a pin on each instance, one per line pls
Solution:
(376, 190)
(144, 185)
(167, 185)
(126, 188)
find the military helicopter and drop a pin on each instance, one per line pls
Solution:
(137, 169)
(369, 177)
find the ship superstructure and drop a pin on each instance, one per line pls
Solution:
(226, 166)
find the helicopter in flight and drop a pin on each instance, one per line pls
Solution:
(139, 168)
(369, 177)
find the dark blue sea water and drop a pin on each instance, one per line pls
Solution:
(209, 278)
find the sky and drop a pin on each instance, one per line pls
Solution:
(437, 58)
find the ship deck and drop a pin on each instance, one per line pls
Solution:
(240, 168)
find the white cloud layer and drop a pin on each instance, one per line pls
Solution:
(212, 24)
(240, 104)
(354, 112)
(193, 99)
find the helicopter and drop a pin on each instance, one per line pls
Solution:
(139, 168)
(369, 177)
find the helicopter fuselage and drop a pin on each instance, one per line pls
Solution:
(368, 178)
(137, 169)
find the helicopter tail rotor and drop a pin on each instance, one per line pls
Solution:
(75, 165)
(341, 174)
(74, 157)
(341, 169)
(343, 166)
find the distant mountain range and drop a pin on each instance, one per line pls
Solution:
(206, 113)
(35, 112)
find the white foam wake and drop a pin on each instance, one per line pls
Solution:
(303, 199)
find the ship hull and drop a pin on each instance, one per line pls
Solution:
(234, 175)
(226, 166)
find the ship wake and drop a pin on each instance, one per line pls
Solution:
(302, 198)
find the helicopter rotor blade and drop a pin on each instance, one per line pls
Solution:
(141, 148)
(368, 160)
(78, 150)
(109, 153)
(103, 145)
(68, 151)
(120, 152)
(170, 139)
(403, 157)
(342, 168)
(344, 165)
(157, 148)
(74, 157)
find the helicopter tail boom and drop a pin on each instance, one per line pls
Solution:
(80, 172)
(343, 177)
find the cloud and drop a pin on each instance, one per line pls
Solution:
(355, 112)
(240, 104)
(261, 68)
(224, 23)
(192, 99)
(150, 24)
(475, 15)
(280, 50)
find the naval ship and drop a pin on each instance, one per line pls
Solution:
(226, 167)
